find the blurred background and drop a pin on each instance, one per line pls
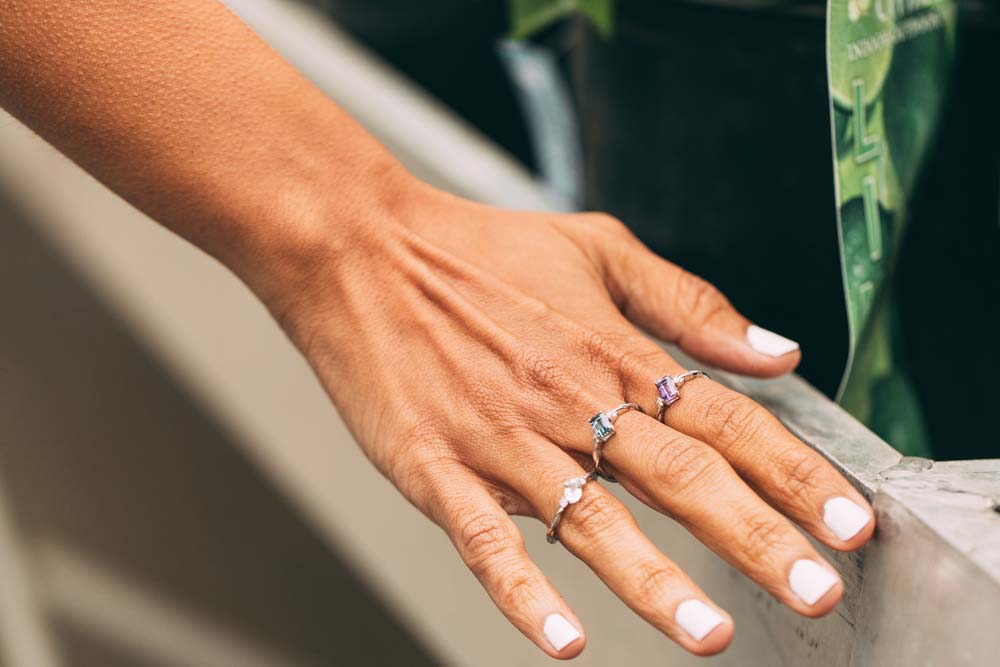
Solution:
(175, 488)
(705, 126)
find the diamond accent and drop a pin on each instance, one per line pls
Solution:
(572, 490)
(666, 387)
(602, 426)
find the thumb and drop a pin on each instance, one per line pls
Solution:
(682, 308)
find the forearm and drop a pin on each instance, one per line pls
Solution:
(186, 113)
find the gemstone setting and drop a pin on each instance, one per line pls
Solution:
(666, 387)
(602, 427)
(572, 490)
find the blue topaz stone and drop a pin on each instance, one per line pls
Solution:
(603, 429)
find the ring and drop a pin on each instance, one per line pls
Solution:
(572, 492)
(603, 426)
(668, 387)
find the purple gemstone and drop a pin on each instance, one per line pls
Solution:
(667, 389)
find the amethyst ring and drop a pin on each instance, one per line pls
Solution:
(603, 426)
(668, 387)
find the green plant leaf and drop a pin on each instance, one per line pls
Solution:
(529, 16)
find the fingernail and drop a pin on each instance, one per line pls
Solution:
(697, 618)
(768, 342)
(810, 580)
(559, 631)
(844, 517)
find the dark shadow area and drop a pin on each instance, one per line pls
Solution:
(100, 452)
(449, 48)
(80, 649)
(707, 130)
(949, 272)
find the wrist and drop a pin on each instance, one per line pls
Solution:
(320, 224)
(317, 213)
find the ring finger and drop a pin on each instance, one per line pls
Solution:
(691, 482)
(599, 530)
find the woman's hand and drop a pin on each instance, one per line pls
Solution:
(466, 347)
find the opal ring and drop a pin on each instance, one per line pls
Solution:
(572, 492)
(603, 426)
(668, 387)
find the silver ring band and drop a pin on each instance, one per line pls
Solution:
(572, 492)
(603, 426)
(668, 390)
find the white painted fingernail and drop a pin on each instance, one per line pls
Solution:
(844, 517)
(697, 618)
(810, 580)
(768, 342)
(559, 631)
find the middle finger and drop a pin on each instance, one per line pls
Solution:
(687, 479)
(790, 475)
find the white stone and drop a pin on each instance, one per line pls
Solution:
(572, 490)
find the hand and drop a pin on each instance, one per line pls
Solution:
(466, 347)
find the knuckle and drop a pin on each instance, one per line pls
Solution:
(701, 300)
(608, 354)
(628, 354)
(491, 550)
(548, 380)
(509, 501)
(644, 356)
(800, 472)
(484, 541)
(412, 480)
(762, 534)
(489, 406)
(682, 464)
(650, 580)
(607, 224)
(538, 371)
(733, 419)
(595, 514)
(514, 588)
(597, 345)
(416, 463)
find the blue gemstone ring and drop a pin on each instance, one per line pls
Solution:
(603, 426)
(668, 389)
